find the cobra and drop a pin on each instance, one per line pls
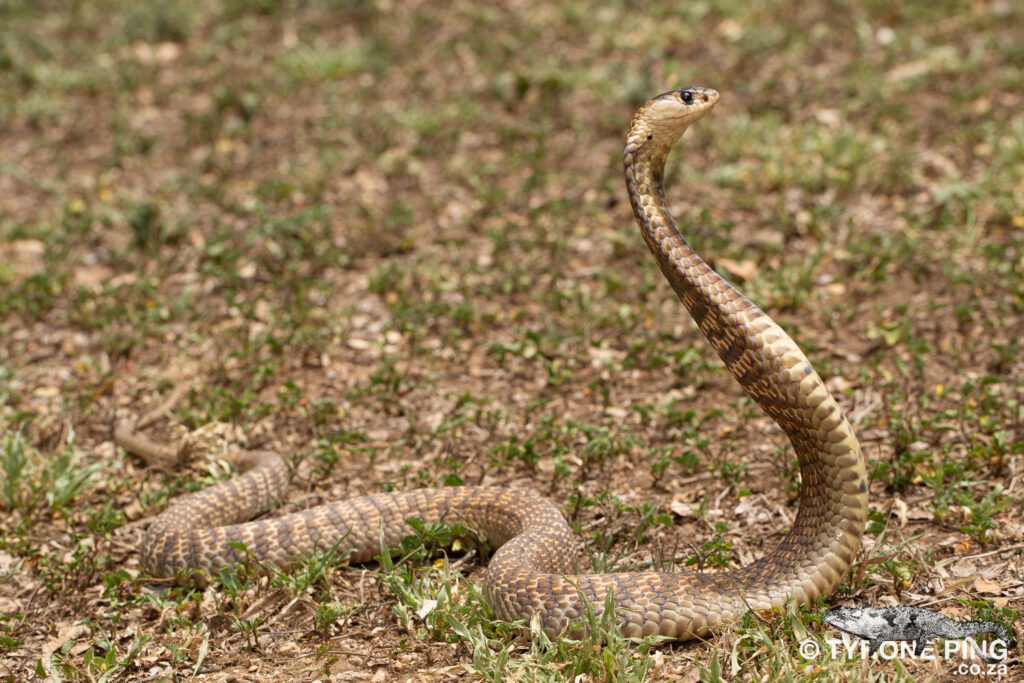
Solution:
(532, 574)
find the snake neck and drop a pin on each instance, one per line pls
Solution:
(726, 318)
(769, 366)
(645, 173)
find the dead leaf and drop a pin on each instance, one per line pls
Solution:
(983, 585)
(657, 664)
(46, 392)
(133, 511)
(743, 270)
(836, 290)
(682, 509)
(730, 29)
(92, 277)
(24, 257)
(426, 608)
(751, 513)
(829, 117)
(897, 509)
(8, 606)
(920, 514)
(72, 632)
(963, 568)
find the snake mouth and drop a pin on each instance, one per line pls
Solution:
(687, 117)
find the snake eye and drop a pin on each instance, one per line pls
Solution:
(686, 96)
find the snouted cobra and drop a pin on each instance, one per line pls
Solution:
(532, 575)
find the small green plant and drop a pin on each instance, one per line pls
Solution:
(626, 523)
(10, 632)
(417, 590)
(29, 476)
(984, 610)
(106, 660)
(331, 612)
(453, 611)
(663, 457)
(311, 570)
(15, 462)
(67, 478)
(716, 550)
(777, 643)
(982, 511)
(248, 627)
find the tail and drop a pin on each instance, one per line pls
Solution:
(977, 627)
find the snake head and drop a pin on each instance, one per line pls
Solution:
(664, 118)
(686, 104)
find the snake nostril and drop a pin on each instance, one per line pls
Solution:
(705, 98)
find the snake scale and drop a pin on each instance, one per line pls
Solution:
(532, 574)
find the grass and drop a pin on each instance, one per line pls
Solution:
(395, 246)
(450, 611)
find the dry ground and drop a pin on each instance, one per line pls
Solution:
(391, 241)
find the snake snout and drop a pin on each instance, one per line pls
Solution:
(702, 94)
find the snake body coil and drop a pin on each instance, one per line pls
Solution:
(532, 573)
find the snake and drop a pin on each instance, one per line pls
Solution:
(532, 572)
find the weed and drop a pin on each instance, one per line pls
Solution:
(311, 571)
(981, 511)
(10, 632)
(453, 611)
(29, 476)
